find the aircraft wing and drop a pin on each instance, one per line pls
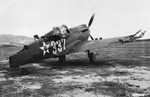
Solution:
(96, 45)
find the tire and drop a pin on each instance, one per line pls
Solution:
(62, 58)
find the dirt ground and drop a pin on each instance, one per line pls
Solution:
(109, 76)
(77, 78)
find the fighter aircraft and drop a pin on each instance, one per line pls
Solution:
(61, 41)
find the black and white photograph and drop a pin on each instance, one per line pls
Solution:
(74, 48)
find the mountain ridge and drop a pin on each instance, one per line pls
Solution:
(15, 39)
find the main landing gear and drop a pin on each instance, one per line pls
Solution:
(91, 56)
(62, 58)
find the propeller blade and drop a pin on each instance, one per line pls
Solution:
(91, 20)
(91, 37)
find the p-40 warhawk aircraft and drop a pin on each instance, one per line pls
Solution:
(61, 41)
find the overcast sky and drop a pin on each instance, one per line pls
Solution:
(112, 17)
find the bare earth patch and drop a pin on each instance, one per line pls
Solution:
(106, 79)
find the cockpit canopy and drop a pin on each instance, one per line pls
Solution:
(60, 31)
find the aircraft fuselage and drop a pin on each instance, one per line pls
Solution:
(52, 47)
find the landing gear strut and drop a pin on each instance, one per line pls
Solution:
(62, 58)
(91, 56)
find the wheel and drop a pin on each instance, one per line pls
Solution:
(92, 57)
(62, 58)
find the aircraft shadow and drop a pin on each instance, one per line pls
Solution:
(50, 65)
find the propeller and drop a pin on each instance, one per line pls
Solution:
(90, 23)
(91, 20)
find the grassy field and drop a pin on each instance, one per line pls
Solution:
(119, 71)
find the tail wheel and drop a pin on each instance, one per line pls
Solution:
(62, 58)
(92, 57)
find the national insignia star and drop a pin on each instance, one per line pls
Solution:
(45, 48)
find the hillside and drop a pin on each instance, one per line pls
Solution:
(7, 50)
(10, 44)
(129, 51)
(13, 39)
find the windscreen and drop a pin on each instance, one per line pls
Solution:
(60, 31)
